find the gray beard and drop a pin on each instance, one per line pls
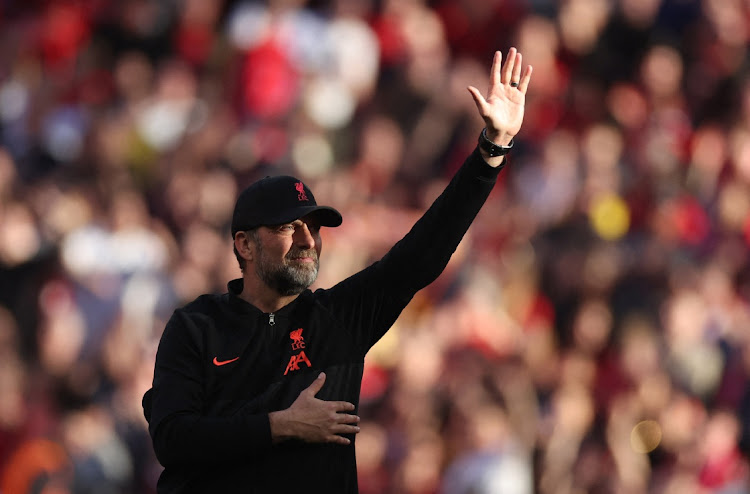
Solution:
(287, 279)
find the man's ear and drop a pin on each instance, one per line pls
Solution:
(242, 244)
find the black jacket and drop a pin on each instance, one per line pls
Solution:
(222, 364)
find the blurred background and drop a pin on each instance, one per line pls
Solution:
(590, 335)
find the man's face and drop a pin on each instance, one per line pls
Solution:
(287, 256)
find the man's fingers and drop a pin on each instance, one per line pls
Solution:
(341, 406)
(346, 423)
(495, 71)
(337, 430)
(345, 429)
(478, 100)
(347, 418)
(516, 77)
(338, 440)
(524, 85)
(317, 384)
(507, 70)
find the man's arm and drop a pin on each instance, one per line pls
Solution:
(189, 438)
(181, 434)
(373, 298)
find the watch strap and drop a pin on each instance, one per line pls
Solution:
(490, 147)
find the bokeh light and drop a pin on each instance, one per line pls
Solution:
(610, 217)
(646, 436)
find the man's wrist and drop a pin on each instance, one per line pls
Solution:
(492, 148)
(279, 429)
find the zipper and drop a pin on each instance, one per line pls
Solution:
(271, 318)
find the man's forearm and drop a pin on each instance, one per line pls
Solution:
(190, 439)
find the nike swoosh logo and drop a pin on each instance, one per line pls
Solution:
(218, 362)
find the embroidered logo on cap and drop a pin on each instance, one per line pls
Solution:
(301, 196)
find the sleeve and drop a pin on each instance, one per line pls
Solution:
(181, 435)
(373, 298)
(419, 258)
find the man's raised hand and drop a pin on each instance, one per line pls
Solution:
(503, 108)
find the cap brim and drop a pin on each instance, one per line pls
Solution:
(326, 215)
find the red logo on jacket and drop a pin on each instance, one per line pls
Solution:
(298, 343)
(297, 340)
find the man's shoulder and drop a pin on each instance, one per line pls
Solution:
(198, 316)
(317, 296)
(207, 304)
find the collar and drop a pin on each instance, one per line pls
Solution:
(234, 289)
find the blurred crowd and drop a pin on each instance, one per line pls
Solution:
(591, 334)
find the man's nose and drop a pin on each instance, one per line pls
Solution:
(304, 237)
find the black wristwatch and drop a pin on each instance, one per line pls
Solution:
(491, 148)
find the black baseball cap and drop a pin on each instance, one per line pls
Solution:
(277, 200)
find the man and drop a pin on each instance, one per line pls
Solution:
(256, 390)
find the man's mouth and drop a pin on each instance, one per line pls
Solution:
(304, 257)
